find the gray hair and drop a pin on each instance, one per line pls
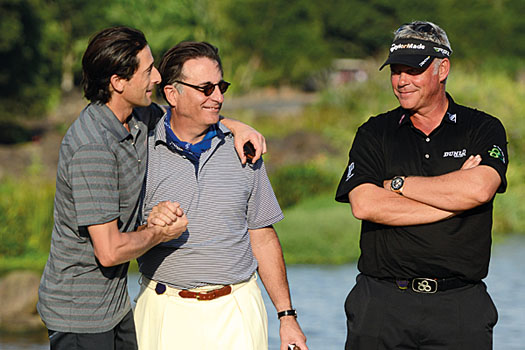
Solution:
(422, 30)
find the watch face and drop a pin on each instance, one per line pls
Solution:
(397, 183)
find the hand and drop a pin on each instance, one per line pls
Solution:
(175, 229)
(471, 162)
(164, 214)
(291, 333)
(244, 133)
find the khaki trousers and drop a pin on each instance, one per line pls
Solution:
(237, 321)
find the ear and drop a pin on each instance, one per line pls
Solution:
(444, 69)
(172, 95)
(117, 83)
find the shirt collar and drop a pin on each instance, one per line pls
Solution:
(450, 117)
(110, 121)
(160, 130)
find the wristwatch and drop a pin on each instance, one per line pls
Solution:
(290, 312)
(397, 184)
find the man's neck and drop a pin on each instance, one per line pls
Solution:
(186, 130)
(429, 118)
(121, 110)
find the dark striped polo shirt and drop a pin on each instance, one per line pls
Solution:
(222, 198)
(100, 173)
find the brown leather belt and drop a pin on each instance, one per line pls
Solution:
(209, 295)
(199, 293)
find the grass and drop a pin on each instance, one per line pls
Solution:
(319, 231)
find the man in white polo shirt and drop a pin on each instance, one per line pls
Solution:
(199, 291)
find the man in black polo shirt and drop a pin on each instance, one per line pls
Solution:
(422, 178)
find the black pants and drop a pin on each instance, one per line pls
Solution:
(382, 316)
(122, 337)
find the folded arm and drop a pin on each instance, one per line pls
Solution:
(376, 204)
(463, 189)
(272, 271)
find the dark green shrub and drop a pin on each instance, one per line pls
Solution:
(293, 183)
(26, 214)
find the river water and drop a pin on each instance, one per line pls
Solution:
(318, 293)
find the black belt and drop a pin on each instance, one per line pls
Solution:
(430, 285)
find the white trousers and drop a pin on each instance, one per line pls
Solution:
(237, 321)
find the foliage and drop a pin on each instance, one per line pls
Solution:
(477, 29)
(26, 213)
(319, 231)
(76, 21)
(261, 42)
(294, 183)
(275, 42)
(30, 50)
(165, 23)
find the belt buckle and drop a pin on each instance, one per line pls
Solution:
(424, 285)
(204, 295)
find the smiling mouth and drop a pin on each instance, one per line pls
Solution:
(213, 109)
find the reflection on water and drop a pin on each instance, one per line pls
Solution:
(318, 293)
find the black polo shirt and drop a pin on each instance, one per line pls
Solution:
(388, 145)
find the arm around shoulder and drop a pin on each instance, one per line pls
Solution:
(243, 134)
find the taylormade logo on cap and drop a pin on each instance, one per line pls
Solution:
(412, 46)
(415, 53)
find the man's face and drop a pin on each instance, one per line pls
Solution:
(415, 88)
(137, 91)
(203, 111)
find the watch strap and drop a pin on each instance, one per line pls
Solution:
(291, 312)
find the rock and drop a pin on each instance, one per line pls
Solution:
(19, 295)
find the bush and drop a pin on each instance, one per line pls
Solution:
(26, 214)
(319, 231)
(294, 183)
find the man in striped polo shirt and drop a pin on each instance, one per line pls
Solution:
(200, 291)
(83, 297)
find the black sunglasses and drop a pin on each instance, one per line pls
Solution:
(424, 28)
(420, 27)
(208, 88)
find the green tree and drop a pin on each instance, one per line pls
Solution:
(30, 47)
(363, 28)
(478, 29)
(273, 42)
(167, 22)
(76, 20)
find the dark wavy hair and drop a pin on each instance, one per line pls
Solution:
(170, 67)
(110, 51)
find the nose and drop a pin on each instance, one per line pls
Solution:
(217, 95)
(403, 79)
(155, 76)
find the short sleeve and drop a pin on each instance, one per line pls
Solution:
(365, 163)
(490, 141)
(95, 188)
(263, 207)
